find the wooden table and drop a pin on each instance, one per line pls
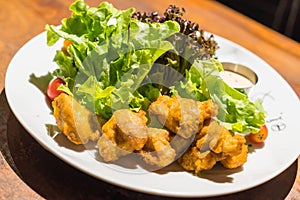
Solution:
(27, 171)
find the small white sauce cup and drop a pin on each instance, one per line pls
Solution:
(239, 76)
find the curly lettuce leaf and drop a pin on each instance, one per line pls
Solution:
(110, 56)
(109, 65)
(236, 112)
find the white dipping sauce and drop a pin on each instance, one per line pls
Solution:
(235, 80)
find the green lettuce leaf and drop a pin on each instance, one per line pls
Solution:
(110, 56)
(236, 112)
(115, 61)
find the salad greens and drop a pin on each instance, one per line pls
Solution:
(114, 61)
(236, 111)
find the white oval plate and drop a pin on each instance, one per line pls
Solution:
(280, 151)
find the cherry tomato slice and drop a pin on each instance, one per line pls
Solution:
(260, 136)
(52, 91)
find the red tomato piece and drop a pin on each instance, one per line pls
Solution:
(260, 136)
(52, 91)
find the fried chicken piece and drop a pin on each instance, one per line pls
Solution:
(219, 140)
(199, 157)
(237, 160)
(157, 150)
(78, 123)
(107, 144)
(182, 116)
(194, 160)
(180, 144)
(212, 144)
(123, 133)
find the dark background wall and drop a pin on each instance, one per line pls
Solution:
(280, 15)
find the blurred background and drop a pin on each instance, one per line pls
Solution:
(281, 15)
